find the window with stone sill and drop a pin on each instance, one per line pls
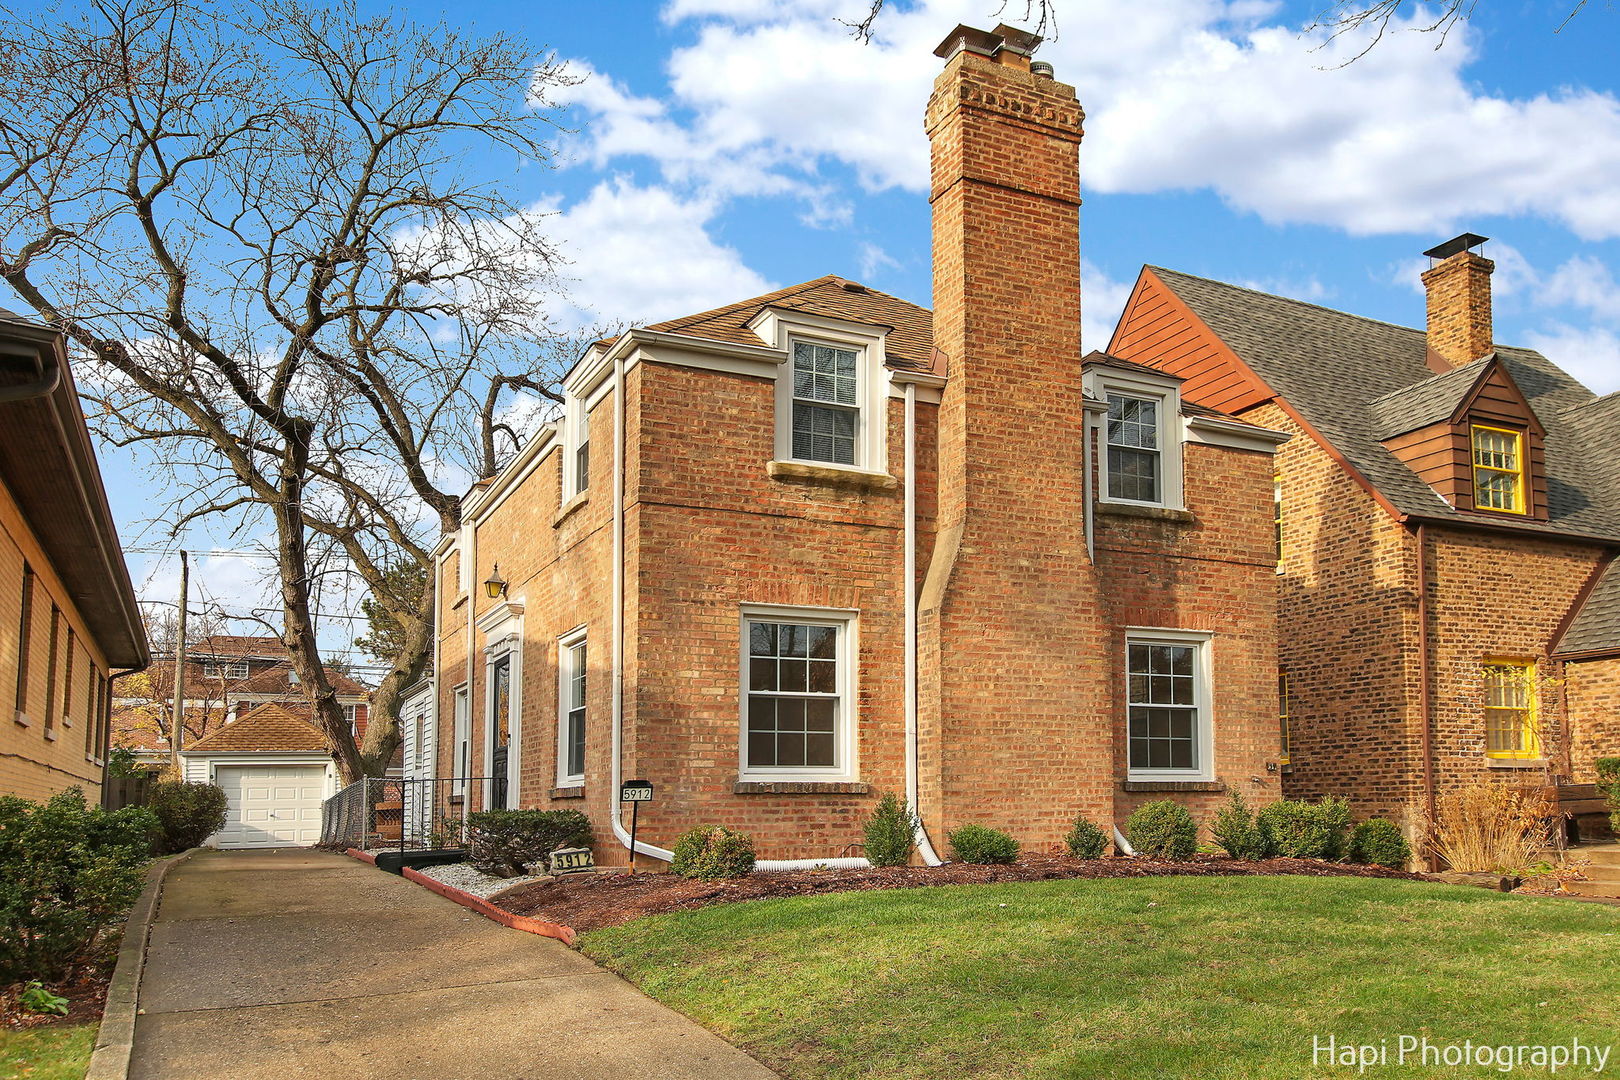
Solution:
(1167, 706)
(826, 421)
(796, 684)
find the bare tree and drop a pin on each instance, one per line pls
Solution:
(260, 226)
(1043, 13)
(1374, 19)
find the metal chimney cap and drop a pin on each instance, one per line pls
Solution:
(1456, 244)
(1042, 70)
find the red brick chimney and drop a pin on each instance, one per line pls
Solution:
(1458, 285)
(1013, 682)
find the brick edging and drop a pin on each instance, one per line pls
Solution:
(363, 856)
(115, 1038)
(564, 934)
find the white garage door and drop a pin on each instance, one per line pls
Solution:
(271, 805)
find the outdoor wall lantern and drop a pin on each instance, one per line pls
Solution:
(495, 585)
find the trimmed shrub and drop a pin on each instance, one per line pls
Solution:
(1085, 840)
(1302, 830)
(979, 844)
(1163, 829)
(68, 873)
(888, 833)
(711, 852)
(506, 842)
(1240, 832)
(187, 813)
(1379, 842)
(1608, 782)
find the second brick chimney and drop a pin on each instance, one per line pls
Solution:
(1458, 285)
(1013, 683)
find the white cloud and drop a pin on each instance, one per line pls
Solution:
(1591, 354)
(874, 260)
(1102, 300)
(1182, 95)
(640, 254)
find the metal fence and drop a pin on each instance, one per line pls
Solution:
(400, 813)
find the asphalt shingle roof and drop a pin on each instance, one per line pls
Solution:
(1333, 367)
(1428, 402)
(1597, 626)
(269, 728)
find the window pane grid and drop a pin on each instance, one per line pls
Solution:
(1133, 448)
(1511, 725)
(793, 696)
(1162, 705)
(1498, 469)
(826, 389)
(573, 734)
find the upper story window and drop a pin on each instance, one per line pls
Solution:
(1135, 461)
(826, 403)
(1168, 721)
(233, 669)
(797, 695)
(1498, 455)
(1512, 727)
(582, 464)
(1141, 439)
(576, 441)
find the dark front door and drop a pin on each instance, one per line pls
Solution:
(500, 721)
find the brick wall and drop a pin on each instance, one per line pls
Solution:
(1592, 704)
(57, 747)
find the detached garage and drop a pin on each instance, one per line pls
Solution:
(275, 770)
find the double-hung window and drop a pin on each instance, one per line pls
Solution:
(1498, 455)
(796, 695)
(1168, 725)
(1285, 716)
(1135, 451)
(826, 403)
(1512, 728)
(571, 681)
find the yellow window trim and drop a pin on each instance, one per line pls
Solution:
(1530, 722)
(1285, 717)
(1520, 504)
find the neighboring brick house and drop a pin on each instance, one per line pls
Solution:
(1420, 456)
(781, 556)
(68, 617)
(226, 676)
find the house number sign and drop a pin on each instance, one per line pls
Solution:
(571, 860)
(634, 792)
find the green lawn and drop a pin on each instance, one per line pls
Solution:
(1156, 977)
(60, 1052)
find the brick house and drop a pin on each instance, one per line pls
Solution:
(68, 617)
(1446, 517)
(227, 675)
(811, 546)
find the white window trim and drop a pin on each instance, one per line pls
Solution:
(781, 328)
(1203, 700)
(1099, 382)
(460, 737)
(576, 431)
(847, 623)
(509, 645)
(565, 673)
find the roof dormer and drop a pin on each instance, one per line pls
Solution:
(1471, 435)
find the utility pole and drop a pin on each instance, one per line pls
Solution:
(175, 725)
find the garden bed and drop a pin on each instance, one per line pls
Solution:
(592, 901)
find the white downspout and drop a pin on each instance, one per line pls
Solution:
(615, 808)
(925, 848)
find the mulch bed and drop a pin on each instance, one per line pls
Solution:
(86, 991)
(592, 901)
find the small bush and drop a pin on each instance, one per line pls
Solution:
(1302, 830)
(711, 852)
(1240, 832)
(1085, 840)
(888, 833)
(1608, 782)
(506, 842)
(1379, 842)
(1492, 827)
(1163, 830)
(978, 844)
(68, 872)
(187, 813)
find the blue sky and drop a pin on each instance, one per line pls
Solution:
(723, 147)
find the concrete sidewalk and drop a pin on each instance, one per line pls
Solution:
(297, 963)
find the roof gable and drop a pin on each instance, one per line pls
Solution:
(1596, 626)
(1330, 368)
(267, 728)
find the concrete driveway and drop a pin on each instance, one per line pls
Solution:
(294, 963)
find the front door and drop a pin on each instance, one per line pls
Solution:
(500, 725)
